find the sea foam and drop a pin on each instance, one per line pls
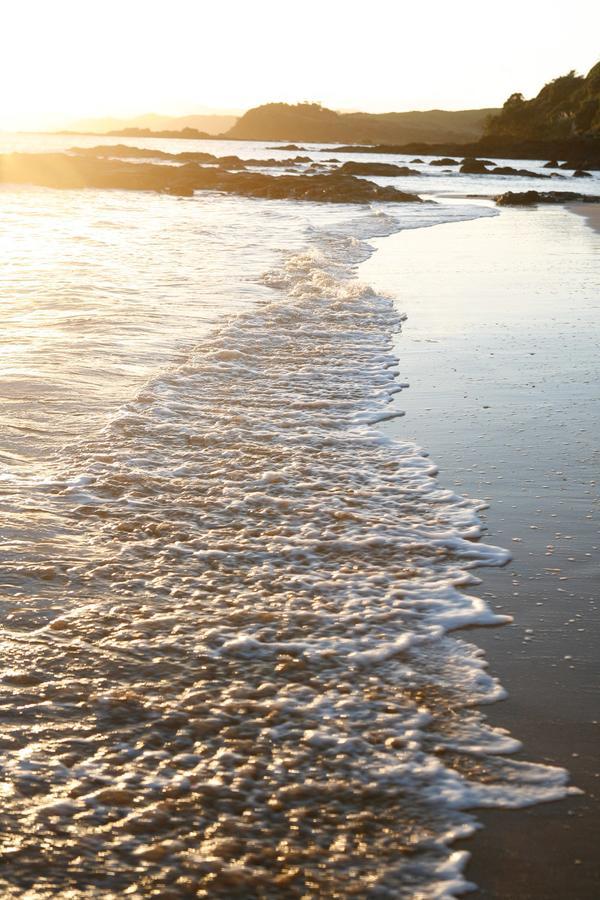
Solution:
(246, 681)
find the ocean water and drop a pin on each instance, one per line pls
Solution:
(230, 601)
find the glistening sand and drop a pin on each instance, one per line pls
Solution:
(590, 211)
(500, 348)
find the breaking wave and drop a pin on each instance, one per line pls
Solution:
(234, 672)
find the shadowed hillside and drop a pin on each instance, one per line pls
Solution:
(312, 122)
(568, 107)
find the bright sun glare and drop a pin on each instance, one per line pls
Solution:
(67, 59)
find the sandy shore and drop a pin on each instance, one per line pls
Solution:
(590, 211)
(500, 349)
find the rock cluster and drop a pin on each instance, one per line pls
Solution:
(123, 151)
(581, 153)
(481, 167)
(446, 161)
(60, 170)
(385, 169)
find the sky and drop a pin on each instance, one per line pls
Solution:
(62, 60)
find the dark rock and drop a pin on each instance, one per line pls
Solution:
(531, 198)
(581, 174)
(385, 169)
(582, 165)
(527, 198)
(122, 151)
(553, 164)
(524, 173)
(60, 170)
(288, 147)
(443, 162)
(474, 167)
(480, 167)
(234, 162)
(586, 151)
(417, 160)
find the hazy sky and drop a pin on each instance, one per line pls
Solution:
(65, 59)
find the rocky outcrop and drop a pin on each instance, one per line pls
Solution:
(382, 169)
(532, 198)
(481, 167)
(585, 152)
(523, 173)
(474, 167)
(122, 151)
(446, 161)
(60, 170)
(581, 164)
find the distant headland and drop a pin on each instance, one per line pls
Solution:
(311, 122)
(561, 122)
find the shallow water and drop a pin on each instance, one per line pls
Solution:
(432, 180)
(226, 593)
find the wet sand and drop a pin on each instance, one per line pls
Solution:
(500, 350)
(590, 211)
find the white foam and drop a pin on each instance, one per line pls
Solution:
(250, 551)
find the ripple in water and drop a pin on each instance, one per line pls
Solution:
(231, 668)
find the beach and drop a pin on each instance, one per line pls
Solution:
(500, 350)
(246, 560)
(590, 211)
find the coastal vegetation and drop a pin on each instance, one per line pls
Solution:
(567, 107)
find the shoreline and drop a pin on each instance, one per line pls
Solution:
(502, 397)
(590, 212)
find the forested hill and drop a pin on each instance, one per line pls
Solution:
(312, 122)
(568, 107)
